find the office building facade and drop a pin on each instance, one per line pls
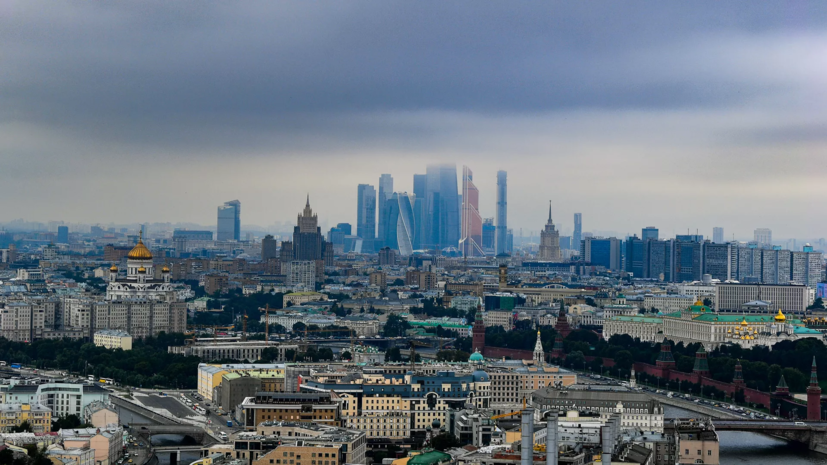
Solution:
(718, 235)
(366, 216)
(649, 232)
(502, 213)
(400, 223)
(385, 194)
(577, 236)
(229, 221)
(441, 207)
(605, 252)
(763, 236)
(471, 237)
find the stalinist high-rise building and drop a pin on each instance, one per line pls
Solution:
(549, 241)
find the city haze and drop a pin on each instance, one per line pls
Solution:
(685, 116)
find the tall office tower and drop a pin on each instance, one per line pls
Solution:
(763, 236)
(549, 241)
(718, 235)
(509, 243)
(346, 228)
(502, 212)
(658, 260)
(717, 260)
(489, 233)
(441, 212)
(269, 248)
(366, 216)
(400, 224)
(385, 193)
(805, 267)
(229, 221)
(604, 252)
(577, 236)
(649, 232)
(634, 256)
(308, 242)
(63, 234)
(471, 239)
(420, 186)
(688, 260)
(749, 264)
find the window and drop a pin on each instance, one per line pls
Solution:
(709, 452)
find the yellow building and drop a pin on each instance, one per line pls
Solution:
(378, 416)
(39, 417)
(316, 454)
(209, 376)
(113, 339)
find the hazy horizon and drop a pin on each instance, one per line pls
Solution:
(673, 114)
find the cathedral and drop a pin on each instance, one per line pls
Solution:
(549, 241)
(140, 282)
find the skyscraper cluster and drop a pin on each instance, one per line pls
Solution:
(436, 216)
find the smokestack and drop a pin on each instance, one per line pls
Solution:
(551, 439)
(527, 444)
(606, 458)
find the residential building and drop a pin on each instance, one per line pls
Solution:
(302, 273)
(63, 234)
(667, 303)
(61, 399)
(113, 339)
(229, 221)
(106, 442)
(638, 410)
(22, 322)
(270, 248)
(38, 416)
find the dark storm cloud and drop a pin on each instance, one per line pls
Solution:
(89, 88)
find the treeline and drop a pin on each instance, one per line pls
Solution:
(148, 364)
(761, 367)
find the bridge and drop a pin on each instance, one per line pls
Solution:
(175, 451)
(813, 434)
(196, 434)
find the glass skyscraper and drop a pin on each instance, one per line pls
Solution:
(502, 213)
(385, 193)
(229, 221)
(441, 207)
(471, 238)
(366, 216)
(400, 223)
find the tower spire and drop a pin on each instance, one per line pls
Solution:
(814, 373)
(549, 211)
(308, 200)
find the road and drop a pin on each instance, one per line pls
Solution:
(174, 403)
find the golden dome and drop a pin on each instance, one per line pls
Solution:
(699, 303)
(780, 316)
(165, 269)
(140, 252)
(141, 270)
(114, 269)
(744, 322)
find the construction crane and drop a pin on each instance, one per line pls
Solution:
(414, 344)
(506, 415)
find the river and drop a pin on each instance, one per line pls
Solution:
(753, 448)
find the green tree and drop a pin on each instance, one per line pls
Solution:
(818, 304)
(393, 355)
(346, 355)
(445, 441)
(396, 326)
(24, 427)
(624, 360)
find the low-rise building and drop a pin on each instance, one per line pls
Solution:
(294, 407)
(37, 416)
(113, 339)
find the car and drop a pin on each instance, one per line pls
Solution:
(800, 423)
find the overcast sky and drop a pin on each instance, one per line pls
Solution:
(674, 114)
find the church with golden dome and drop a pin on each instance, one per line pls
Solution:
(140, 282)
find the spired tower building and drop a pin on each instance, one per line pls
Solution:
(549, 241)
(539, 354)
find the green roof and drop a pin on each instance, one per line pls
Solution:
(429, 458)
(737, 318)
